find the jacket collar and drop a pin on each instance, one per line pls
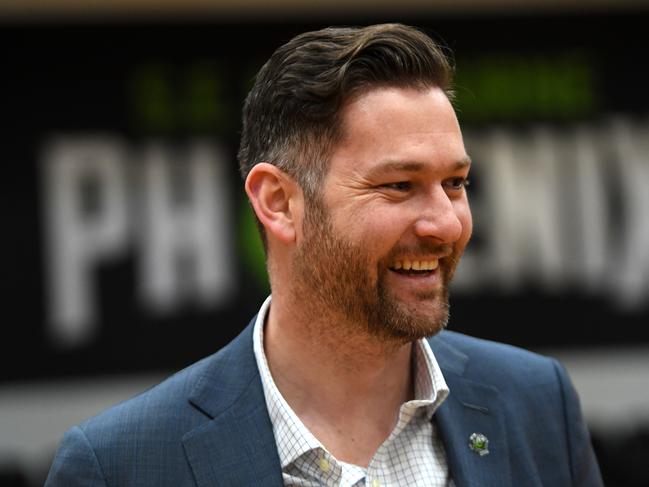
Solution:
(237, 446)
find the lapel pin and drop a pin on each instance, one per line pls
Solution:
(479, 443)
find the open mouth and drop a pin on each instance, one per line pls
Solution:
(414, 267)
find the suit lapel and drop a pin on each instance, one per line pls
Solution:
(236, 447)
(471, 407)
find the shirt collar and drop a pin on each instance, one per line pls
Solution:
(430, 387)
(293, 438)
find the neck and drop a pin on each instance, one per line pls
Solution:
(345, 386)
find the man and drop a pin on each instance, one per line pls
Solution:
(355, 166)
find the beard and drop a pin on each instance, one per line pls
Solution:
(334, 275)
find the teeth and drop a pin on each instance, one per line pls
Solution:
(416, 265)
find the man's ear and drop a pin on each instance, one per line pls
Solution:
(274, 195)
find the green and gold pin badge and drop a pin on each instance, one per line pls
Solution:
(479, 443)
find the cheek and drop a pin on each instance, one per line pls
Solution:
(365, 223)
(386, 225)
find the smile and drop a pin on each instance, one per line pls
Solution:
(406, 265)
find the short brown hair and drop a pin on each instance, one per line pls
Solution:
(291, 117)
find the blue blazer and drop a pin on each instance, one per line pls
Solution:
(208, 425)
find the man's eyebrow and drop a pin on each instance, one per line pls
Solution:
(407, 166)
(462, 163)
(395, 166)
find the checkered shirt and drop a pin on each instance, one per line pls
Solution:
(413, 453)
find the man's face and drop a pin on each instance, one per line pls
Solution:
(381, 245)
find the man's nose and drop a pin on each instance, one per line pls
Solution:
(438, 218)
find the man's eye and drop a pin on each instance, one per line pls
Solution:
(399, 186)
(458, 183)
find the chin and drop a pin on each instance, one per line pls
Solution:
(405, 324)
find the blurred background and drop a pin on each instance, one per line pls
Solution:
(131, 251)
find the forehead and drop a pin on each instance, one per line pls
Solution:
(387, 101)
(401, 125)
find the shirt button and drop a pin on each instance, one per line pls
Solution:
(323, 463)
(376, 483)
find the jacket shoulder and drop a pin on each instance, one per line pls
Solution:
(159, 403)
(133, 440)
(140, 441)
(169, 403)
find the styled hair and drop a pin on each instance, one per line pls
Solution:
(292, 115)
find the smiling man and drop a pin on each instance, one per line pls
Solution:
(354, 164)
